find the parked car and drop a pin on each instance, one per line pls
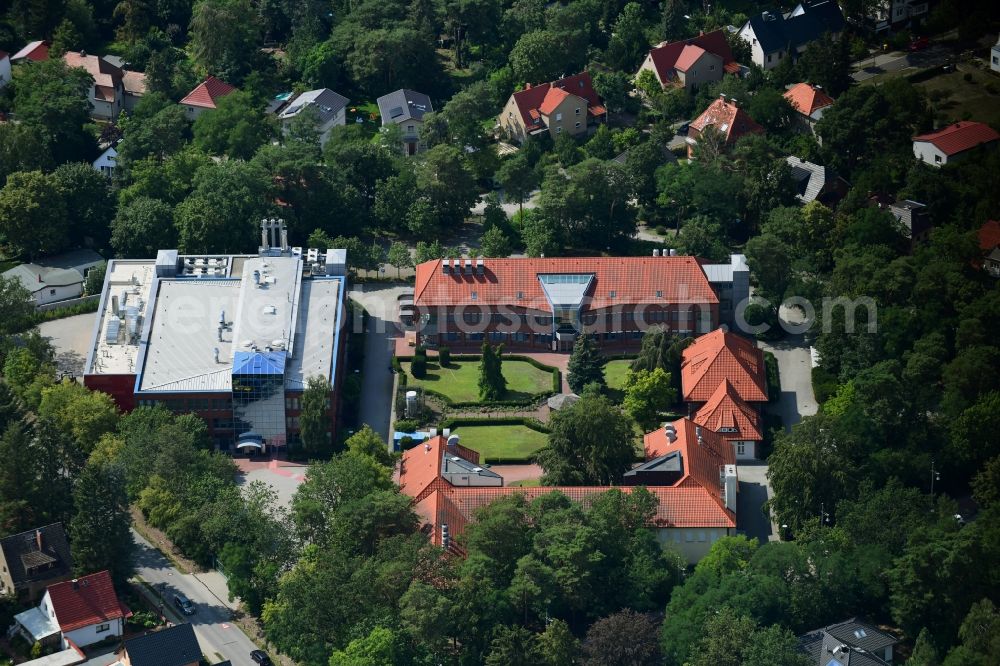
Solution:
(184, 604)
(919, 44)
(260, 658)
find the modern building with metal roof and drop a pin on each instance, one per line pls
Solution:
(232, 338)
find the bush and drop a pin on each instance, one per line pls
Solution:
(418, 366)
(407, 425)
(444, 356)
(824, 384)
(967, 77)
(556, 381)
(661, 229)
(406, 442)
(773, 377)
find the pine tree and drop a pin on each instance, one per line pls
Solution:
(492, 384)
(100, 534)
(585, 364)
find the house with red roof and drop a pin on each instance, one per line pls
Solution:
(691, 472)
(989, 243)
(5, 73)
(569, 105)
(727, 118)
(78, 612)
(205, 96)
(953, 142)
(689, 63)
(544, 303)
(33, 51)
(809, 102)
(733, 419)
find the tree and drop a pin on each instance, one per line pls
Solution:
(33, 215)
(613, 87)
(591, 442)
(770, 108)
(143, 226)
(518, 179)
(540, 55)
(514, 646)
(537, 235)
(225, 37)
(158, 136)
(731, 639)
(100, 533)
(221, 214)
(16, 305)
(85, 192)
(585, 364)
(378, 648)
(647, 393)
(314, 419)
(369, 443)
(52, 98)
(702, 237)
(492, 383)
(22, 148)
(980, 635)
(445, 180)
(83, 414)
(399, 256)
(769, 259)
(601, 145)
(625, 638)
(236, 128)
(628, 43)
(827, 62)
(65, 38)
(494, 243)
(93, 283)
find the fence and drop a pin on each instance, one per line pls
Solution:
(69, 303)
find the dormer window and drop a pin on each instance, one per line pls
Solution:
(613, 294)
(520, 295)
(475, 295)
(659, 293)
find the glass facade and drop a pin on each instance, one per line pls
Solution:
(259, 396)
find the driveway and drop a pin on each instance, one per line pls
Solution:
(377, 379)
(795, 367)
(220, 639)
(70, 338)
(754, 491)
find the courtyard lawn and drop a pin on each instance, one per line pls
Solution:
(614, 373)
(507, 443)
(460, 380)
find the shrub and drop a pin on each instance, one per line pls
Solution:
(773, 378)
(406, 425)
(661, 229)
(444, 356)
(824, 384)
(406, 442)
(418, 366)
(420, 350)
(967, 77)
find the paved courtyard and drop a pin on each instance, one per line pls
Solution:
(70, 337)
(283, 476)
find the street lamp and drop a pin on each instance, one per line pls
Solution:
(935, 476)
(824, 517)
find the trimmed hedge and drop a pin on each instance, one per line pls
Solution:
(556, 381)
(773, 377)
(824, 384)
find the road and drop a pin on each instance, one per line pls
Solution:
(376, 379)
(219, 638)
(895, 61)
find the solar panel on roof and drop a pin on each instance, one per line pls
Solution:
(395, 112)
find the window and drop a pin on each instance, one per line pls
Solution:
(559, 130)
(937, 158)
(613, 294)
(475, 295)
(52, 292)
(701, 535)
(860, 633)
(659, 293)
(741, 448)
(520, 295)
(711, 68)
(510, 114)
(577, 111)
(409, 128)
(577, 125)
(558, 117)
(769, 57)
(688, 536)
(101, 628)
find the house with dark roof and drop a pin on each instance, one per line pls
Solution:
(330, 109)
(47, 285)
(989, 244)
(914, 217)
(815, 182)
(32, 560)
(172, 646)
(953, 143)
(569, 105)
(774, 36)
(691, 62)
(849, 643)
(691, 472)
(205, 97)
(77, 612)
(726, 117)
(545, 303)
(406, 108)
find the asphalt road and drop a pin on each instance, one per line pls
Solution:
(219, 638)
(895, 61)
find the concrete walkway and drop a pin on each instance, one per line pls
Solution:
(795, 367)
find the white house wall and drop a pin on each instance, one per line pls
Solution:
(4, 72)
(89, 635)
(928, 153)
(53, 294)
(692, 543)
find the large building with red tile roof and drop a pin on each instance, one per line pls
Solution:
(691, 473)
(727, 414)
(545, 303)
(689, 63)
(569, 105)
(953, 142)
(205, 96)
(727, 118)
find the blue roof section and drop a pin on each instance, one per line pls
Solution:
(259, 363)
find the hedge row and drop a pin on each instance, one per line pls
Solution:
(620, 357)
(773, 377)
(824, 384)
(530, 423)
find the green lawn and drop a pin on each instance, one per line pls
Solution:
(614, 373)
(978, 99)
(508, 443)
(460, 380)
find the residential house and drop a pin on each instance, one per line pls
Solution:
(5, 73)
(205, 97)
(814, 182)
(729, 119)
(406, 108)
(774, 36)
(47, 285)
(106, 162)
(724, 382)
(989, 244)
(134, 84)
(691, 62)
(953, 143)
(691, 472)
(173, 646)
(914, 218)
(849, 643)
(545, 303)
(731, 282)
(78, 612)
(107, 95)
(569, 105)
(894, 15)
(329, 107)
(995, 56)
(809, 102)
(33, 51)
(32, 560)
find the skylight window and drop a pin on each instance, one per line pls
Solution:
(860, 633)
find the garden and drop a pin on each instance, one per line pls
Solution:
(458, 382)
(506, 444)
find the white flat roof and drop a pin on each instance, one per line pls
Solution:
(134, 276)
(38, 624)
(268, 303)
(316, 332)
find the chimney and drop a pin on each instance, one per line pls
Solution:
(38, 539)
(263, 233)
(446, 433)
(445, 266)
(656, 253)
(76, 583)
(697, 433)
(734, 102)
(427, 446)
(468, 267)
(83, 54)
(722, 96)
(673, 253)
(730, 486)
(217, 349)
(453, 441)
(480, 266)
(527, 86)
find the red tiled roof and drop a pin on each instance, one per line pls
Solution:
(807, 99)
(731, 120)
(420, 466)
(689, 56)
(85, 601)
(666, 55)
(3, 54)
(553, 98)
(989, 236)
(635, 280)
(720, 356)
(725, 409)
(959, 137)
(532, 98)
(207, 93)
(731, 67)
(702, 457)
(36, 51)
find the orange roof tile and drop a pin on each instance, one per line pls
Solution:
(134, 82)
(207, 93)
(728, 118)
(959, 137)
(689, 56)
(807, 99)
(85, 601)
(553, 98)
(420, 466)
(665, 56)
(532, 97)
(989, 236)
(719, 356)
(702, 456)
(634, 280)
(725, 409)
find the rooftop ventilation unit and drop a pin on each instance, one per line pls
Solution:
(480, 267)
(445, 267)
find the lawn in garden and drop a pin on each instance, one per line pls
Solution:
(460, 380)
(507, 443)
(614, 373)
